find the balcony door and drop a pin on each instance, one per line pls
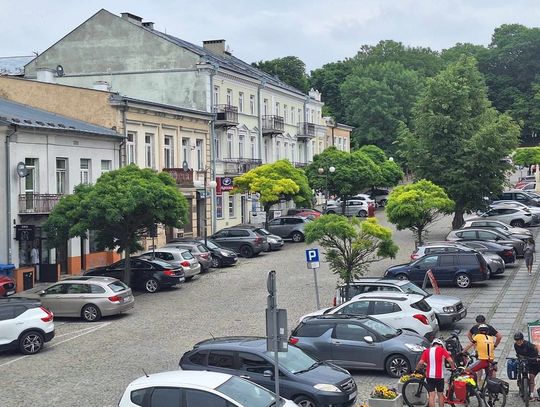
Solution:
(30, 182)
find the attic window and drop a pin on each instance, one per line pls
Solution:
(15, 120)
(28, 121)
(62, 125)
(40, 123)
(51, 124)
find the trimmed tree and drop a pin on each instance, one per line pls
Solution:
(121, 207)
(351, 245)
(415, 206)
(390, 172)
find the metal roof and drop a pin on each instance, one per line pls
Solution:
(14, 65)
(13, 113)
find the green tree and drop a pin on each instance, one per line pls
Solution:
(415, 206)
(390, 172)
(120, 207)
(291, 70)
(275, 182)
(351, 245)
(459, 140)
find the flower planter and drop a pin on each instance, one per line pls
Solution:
(397, 402)
(400, 387)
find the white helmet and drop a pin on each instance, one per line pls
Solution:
(437, 341)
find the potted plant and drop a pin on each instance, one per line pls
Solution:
(406, 377)
(382, 396)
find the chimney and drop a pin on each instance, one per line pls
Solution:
(215, 46)
(148, 24)
(45, 75)
(132, 17)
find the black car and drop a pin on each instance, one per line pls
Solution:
(221, 256)
(148, 275)
(460, 268)
(303, 379)
(507, 253)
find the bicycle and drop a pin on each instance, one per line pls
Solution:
(523, 378)
(493, 391)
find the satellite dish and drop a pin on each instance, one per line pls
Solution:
(22, 170)
(60, 70)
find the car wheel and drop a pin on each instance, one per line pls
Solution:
(362, 213)
(246, 251)
(517, 223)
(297, 237)
(463, 280)
(402, 276)
(382, 203)
(489, 273)
(31, 342)
(330, 212)
(215, 262)
(151, 285)
(90, 313)
(189, 278)
(397, 366)
(304, 401)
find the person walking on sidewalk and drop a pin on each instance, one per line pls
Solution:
(527, 350)
(528, 253)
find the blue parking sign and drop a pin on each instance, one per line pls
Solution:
(312, 255)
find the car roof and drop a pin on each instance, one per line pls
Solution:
(19, 300)
(336, 317)
(84, 279)
(389, 296)
(175, 378)
(253, 342)
(171, 247)
(378, 280)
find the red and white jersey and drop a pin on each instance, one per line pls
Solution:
(435, 357)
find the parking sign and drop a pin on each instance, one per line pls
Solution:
(312, 258)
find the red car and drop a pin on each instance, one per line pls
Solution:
(309, 214)
(7, 286)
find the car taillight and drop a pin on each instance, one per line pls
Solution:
(508, 253)
(168, 272)
(293, 340)
(482, 268)
(185, 264)
(414, 256)
(204, 256)
(422, 318)
(258, 240)
(115, 298)
(49, 316)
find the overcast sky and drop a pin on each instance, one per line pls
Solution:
(316, 31)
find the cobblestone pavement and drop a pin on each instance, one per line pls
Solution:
(90, 364)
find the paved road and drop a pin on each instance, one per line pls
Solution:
(90, 364)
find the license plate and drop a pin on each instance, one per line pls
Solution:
(462, 314)
(10, 292)
(432, 317)
(128, 298)
(352, 396)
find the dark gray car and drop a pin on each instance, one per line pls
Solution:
(489, 235)
(243, 241)
(288, 227)
(359, 342)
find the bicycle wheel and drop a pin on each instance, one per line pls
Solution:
(526, 392)
(475, 399)
(415, 393)
(493, 399)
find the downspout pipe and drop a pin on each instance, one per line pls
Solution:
(8, 193)
(259, 117)
(122, 159)
(212, 150)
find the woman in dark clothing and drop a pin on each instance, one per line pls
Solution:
(528, 253)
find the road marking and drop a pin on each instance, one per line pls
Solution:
(81, 333)
(79, 330)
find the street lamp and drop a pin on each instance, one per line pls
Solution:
(212, 184)
(322, 171)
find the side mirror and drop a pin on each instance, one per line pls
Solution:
(40, 293)
(269, 373)
(498, 238)
(368, 339)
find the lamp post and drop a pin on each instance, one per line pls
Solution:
(212, 184)
(323, 172)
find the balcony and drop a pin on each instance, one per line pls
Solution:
(236, 166)
(305, 130)
(272, 125)
(226, 116)
(300, 165)
(183, 178)
(37, 204)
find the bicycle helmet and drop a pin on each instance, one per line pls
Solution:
(483, 328)
(518, 336)
(480, 319)
(437, 341)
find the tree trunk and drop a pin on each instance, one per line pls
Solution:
(127, 268)
(267, 217)
(458, 220)
(347, 290)
(419, 232)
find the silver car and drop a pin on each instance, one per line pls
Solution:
(288, 227)
(353, 207)
(508, 214)
(178, 258)
(199, 250)
(86, 297)
(488, 223)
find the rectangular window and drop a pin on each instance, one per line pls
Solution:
(232, 202)
(285, 150)
(185, 151)
(85, 171)
(106, 166)
(217, 147)
(168, 152)
(61, 176)
(252, 104)
(278, 150)
(293, 151)
(241, 138)
(216, 95)
(130, 147)
(285, 114)
(265, 107)
(292, 115)
(252, 147)
(219, 207)
(241, 102)
(229, 97)
(149, 150)
(277, 109)
(300, 117)
(199, 148)
(229, 145)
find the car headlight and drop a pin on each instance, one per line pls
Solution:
(414, 347)
(224, 253)
(449, 309)
(327, 387)
(270, 240)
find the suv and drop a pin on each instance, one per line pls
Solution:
(518, 195)
(379, 195)
(509, 215)
(288, 227)
(243, 241)
(353, 207)
(447, 309)
(24, 325)
(359, 342)
(461, 268)
(303, 379)
(275, 242)
(487, 234)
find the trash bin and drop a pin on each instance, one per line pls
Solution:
(7, 270)
(28, 280)
(371, 210)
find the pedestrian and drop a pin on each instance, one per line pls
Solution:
(34, 258)
(480, 319)
(528, 253)
(528, 351)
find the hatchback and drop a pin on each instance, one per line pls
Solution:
(178, 257)
(243, 241)
(489, 235)
(359, 342)
(7, 286)
(518, 195)
(504, 213)
(353, 207)
(199, 250)
(86, 297)
(507, 253)
(303, 379)
(288, 227)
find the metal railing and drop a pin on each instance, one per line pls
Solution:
(182, 177)
(226, 115)
(306, 129)
(38, 203)
(273, 124)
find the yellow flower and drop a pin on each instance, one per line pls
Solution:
(383, 392)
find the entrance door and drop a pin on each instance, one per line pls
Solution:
(61, 257)
(200, 215)
(243, 208)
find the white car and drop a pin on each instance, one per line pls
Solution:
(507, 213)
(399, 310)
(364, 197)
(24, 325)
(197, 389)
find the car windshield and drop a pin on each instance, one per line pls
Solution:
(382, 329)
(117, 286)
(187, 255)
(410, 288)
(212, 245)
(263, 231)
(247, 393)
(294, 360)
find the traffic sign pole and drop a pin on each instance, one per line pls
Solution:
(312, 259)
(316, 288)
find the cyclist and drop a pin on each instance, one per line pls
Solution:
(433, 360)
(528, 350)
(485, 348)
(480, 319)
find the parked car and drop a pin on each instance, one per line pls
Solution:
(533, 210)
(518, 195)
(507, 253)
(199, 250)
(220, 256)
(149, 275)
(297, 211)
(7, 286)
(288, 227)
(487, 234)
(447, 309)
(197, 389)
(310, 214)
(353, 207)
(24, 325)
(527, 186)
(379, 195)
(488, 223)
(461, 269)
(243, 241)
(399, 310)
(359, 342)
(512, 216)
(525, 180)
(86, 297)
(178, 257)
(364, 197)
(304, 379)
(275, 242)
